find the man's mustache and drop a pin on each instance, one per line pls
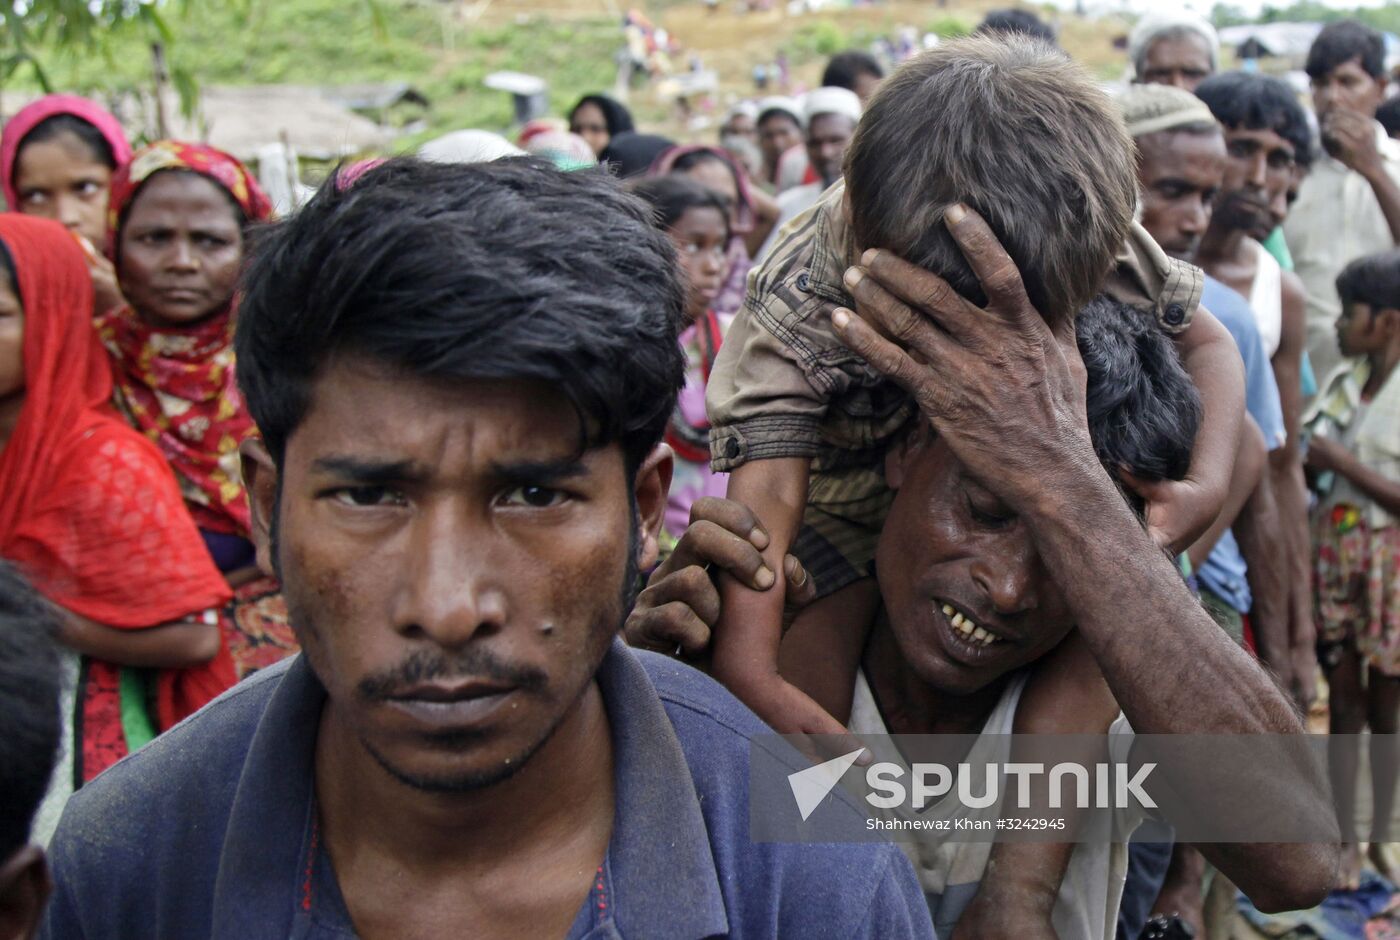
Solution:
(1246, 200)
(429, 666)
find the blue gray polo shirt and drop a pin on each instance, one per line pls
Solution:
(210, 831)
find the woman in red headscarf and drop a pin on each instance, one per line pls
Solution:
(176, 226)
(91, 513)
(57, 157)
(177, 220)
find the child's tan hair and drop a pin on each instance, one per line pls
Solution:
(1014, 129)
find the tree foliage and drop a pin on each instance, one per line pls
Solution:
(1385, 18)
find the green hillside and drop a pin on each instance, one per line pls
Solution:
(326, 42)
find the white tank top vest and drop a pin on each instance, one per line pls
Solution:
(1266, 298)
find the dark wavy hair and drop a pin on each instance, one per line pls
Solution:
(1020, 133)
(1342, 41)
(503, 270)
(1257, 102)
(845, 67)
(30, 723)
(1143, 409)
(1373, 280)
(615, 114)
(670, 197)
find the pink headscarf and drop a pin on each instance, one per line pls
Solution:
(744, 215)
(40, 111)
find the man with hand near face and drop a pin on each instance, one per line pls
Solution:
(461, 375)
(1349, 205)
(1009, 530)
(1265, 131)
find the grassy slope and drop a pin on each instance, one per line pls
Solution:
(444, 51)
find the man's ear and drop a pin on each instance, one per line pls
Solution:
(897, 457)
(25, 887)
(1389, 320)
(260, 480)
(650, 489)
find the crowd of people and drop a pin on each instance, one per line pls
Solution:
(426, 561)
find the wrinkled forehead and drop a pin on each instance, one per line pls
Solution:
(1253, 140)
(1181, 154)
(830, 126)
(360, 405)
(1181, 50)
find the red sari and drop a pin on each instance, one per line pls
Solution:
(89, 509)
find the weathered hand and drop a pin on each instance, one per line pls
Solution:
(680, 604)
(1350, 136)
(1003, 390)
(1178, 511)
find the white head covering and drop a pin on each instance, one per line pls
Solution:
(828, 100)
(782, 103)
(746, 108)
(1148, 109)
(468, 147)
(1154, 25)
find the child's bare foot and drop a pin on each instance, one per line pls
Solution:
(1382, 857)
(1350, 878)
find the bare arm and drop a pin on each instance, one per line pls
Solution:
(1388, 195)
(749, 631)
(1326, 454)
(176, 645)
(1138, 624)
(1066, 694)
(1290, 490)
(679, 607)
(1260, 531)
(1250, 463)
(1211, 357)
(1288, 362)
(766, 214)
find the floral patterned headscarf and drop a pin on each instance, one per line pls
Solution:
(177, 384)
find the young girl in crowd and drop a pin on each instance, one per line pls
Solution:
(57, 157)
(698, 222)
(752, 212)
(1355, 450)
(91, 513)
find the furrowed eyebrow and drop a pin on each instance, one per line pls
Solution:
(368, 472)
(540, 471)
